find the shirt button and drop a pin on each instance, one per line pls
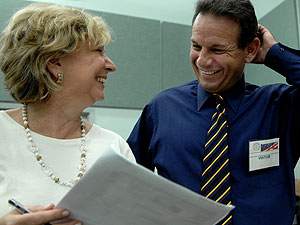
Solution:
(282, 49)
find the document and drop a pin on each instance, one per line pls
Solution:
(115, 191)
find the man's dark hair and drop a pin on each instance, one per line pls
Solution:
(241, 11)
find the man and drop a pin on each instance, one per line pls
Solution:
(262, 123)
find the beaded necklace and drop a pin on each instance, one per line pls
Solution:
(48, 171)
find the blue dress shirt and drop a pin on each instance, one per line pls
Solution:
(171, 133)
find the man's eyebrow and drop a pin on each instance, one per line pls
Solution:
(194, 41)
(218, 46)
(213, 46)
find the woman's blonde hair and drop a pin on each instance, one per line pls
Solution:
(38, 33)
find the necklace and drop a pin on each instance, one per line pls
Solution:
(48, 171)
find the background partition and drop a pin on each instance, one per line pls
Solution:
(144, 51)
(6, 10)
(153, 55)
(283, 23)
(136, 51)
(176, 68)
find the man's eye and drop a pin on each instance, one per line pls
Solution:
(197, 47)
(216, 50)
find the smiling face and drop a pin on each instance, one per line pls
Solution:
(216, 59)
(85, 74)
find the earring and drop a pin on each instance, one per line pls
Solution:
(60, 78)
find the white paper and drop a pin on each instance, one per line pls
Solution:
(115, 191)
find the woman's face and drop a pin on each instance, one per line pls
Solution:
(85, 74)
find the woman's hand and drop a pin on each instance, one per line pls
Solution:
(39, 216)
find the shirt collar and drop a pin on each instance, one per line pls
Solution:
(233, 96)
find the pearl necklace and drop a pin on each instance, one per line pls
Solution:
(48, 171)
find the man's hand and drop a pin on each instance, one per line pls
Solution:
(267, 41)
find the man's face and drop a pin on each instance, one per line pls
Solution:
(216, 59)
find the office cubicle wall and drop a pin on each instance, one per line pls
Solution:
(150, 55)
(6, 10)
(153, 55)
(283, 23)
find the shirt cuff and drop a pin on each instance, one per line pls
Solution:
(282, 59)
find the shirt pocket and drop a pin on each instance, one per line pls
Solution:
(266, 178)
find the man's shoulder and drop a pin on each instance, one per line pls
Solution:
(252, 86)
(179, 97)
(265, 90)
(180, 91)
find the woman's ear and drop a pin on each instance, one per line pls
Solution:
(54, 67)
(252, 50)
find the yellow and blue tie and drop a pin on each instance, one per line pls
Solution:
(216, 173)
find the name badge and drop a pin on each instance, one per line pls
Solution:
(263, 154)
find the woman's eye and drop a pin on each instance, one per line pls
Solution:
(101, 50)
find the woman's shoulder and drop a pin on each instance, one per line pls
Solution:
(14, 114)
(9, 125)
(102, 137)
(11, 115)
(97, 130)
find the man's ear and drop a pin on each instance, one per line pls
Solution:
(54, 67)
(252, 50)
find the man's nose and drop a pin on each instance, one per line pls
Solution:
(204, 58)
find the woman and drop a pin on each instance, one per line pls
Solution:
(54, 63)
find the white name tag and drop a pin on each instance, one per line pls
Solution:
(263, 154)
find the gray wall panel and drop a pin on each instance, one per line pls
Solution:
(177, 68)
(284, 27)
(136, 52)
(7, 9)
(151, 56)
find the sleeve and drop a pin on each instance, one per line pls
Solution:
(285, 61)
(141, 137)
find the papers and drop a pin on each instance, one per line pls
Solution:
(115, 191)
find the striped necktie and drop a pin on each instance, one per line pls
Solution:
(216, 173)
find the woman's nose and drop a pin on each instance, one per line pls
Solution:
(109, 65)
